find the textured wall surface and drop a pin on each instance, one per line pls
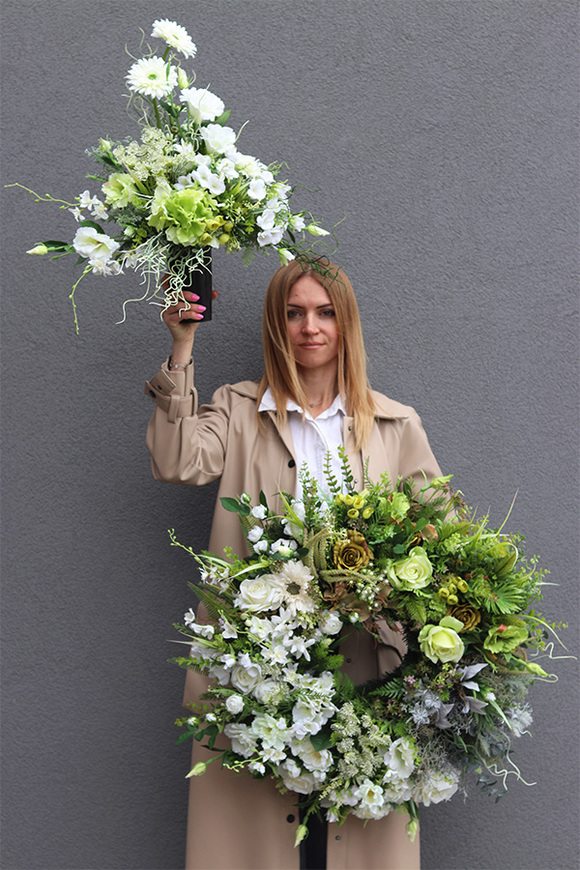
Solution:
(445, 133)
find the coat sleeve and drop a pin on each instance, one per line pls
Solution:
(187, 445)
(416, 457)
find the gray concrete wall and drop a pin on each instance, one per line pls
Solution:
(446, 132)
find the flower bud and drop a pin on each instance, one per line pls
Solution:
(452, 599)
(39, 250)
(224, 239)
(462, 586)
(197, 770)
(182, 79)
(316, 231)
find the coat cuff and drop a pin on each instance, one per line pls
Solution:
(173, 392)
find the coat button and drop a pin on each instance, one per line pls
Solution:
(348, 661)
(291, 464)
(337, 837)
(290, 818)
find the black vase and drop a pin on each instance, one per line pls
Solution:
(198, 281)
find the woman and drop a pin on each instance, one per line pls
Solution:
(314, 395)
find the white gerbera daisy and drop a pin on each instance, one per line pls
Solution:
(295, 579)
(174, 35)
(152, 77)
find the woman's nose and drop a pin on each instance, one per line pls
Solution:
(309, 324)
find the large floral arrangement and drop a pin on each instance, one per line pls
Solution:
(180, 188)
(417, 561)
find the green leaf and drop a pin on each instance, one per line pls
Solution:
(321, 741)
(223, 118)
(235, 506)
(92, 224)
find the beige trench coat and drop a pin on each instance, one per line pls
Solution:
(237, 822)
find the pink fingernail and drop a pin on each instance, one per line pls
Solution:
(199, 315)
(194, 298)
(201, 307)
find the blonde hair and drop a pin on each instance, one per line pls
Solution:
(280, 372)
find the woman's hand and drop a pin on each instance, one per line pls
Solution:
(183, 319)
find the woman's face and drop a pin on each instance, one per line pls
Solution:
(312, 325)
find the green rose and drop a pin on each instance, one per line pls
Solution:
(120, 190)
(507, 636)
(183, 214)
(412, 572)
(441, 643)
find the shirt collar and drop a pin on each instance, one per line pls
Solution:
(268, 404)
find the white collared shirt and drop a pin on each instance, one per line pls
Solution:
(313, 437)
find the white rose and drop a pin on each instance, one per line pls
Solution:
(331, 623)
(235, 704)
(218, 139)
(257, 594)
(245, 679)
(259, 511)
(255, 534)
(202, 104)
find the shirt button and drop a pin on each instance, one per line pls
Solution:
(291, 464)
(290, 818)
(348, 661)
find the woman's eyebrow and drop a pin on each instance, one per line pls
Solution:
(294, 305)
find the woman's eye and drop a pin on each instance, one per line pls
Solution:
(292, 315)
(328, 312)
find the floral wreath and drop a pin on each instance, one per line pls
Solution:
(327, 565)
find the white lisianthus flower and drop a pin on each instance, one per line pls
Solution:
(369, 794)
(235, 704)
(248, 164)
(267, 219)
(399, 758)
(270, 237)
(271, 731)
(106, 269)
(257, 189)
(311, 758)
(301, 782)
(202, 105)
(218, 139)
(259, 511)
(227, 168)
(297, 222)
(243, 742)
(286, 256)
(437, 786)
(97, 247)
(398, 791)
(257, 594)
(174, 35)
(246, 679)
(204, 176)
(260, 547)
(152, 77)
